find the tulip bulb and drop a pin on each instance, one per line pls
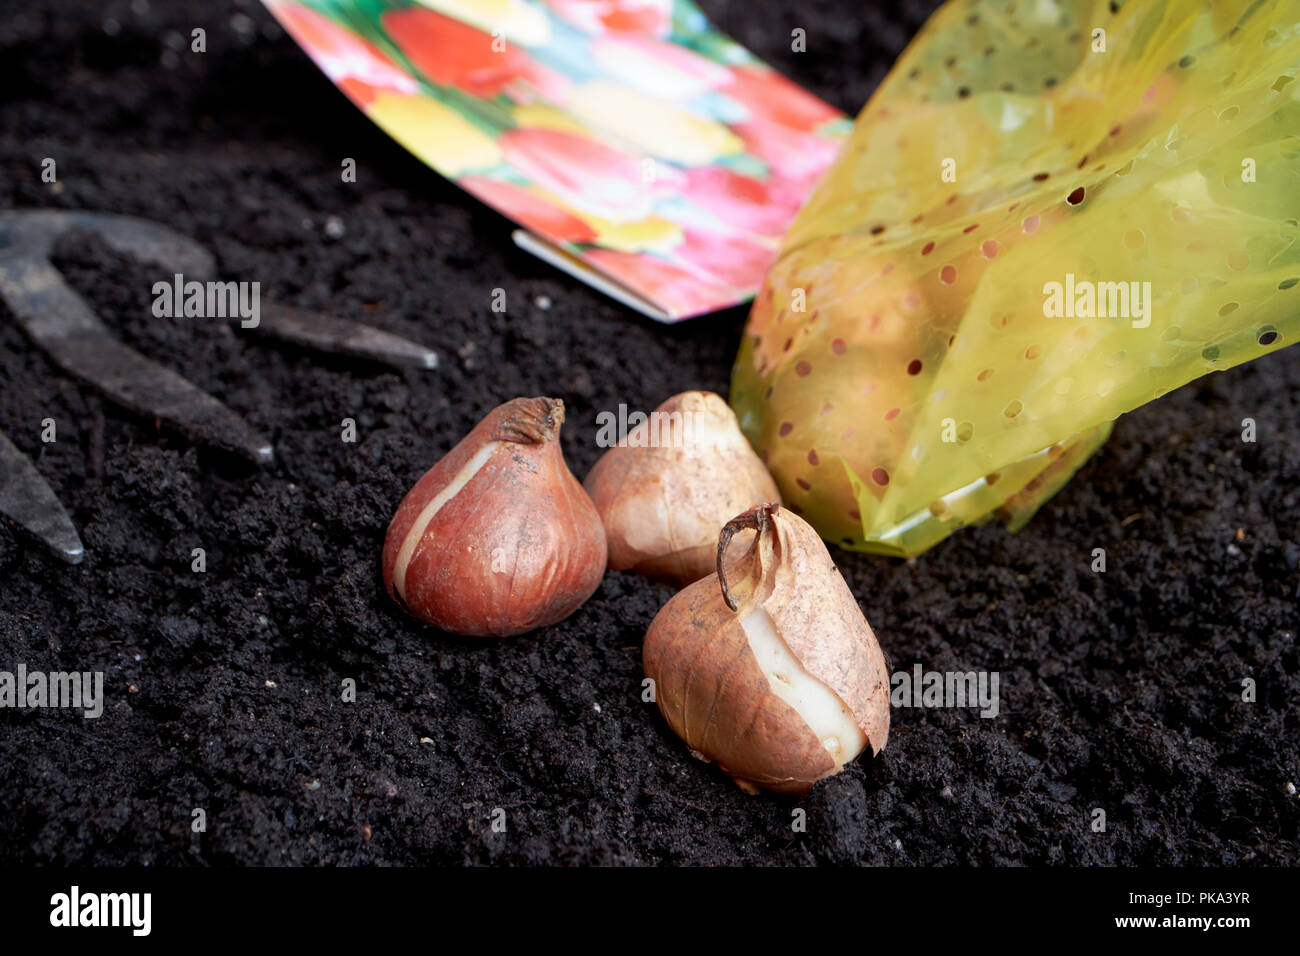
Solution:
(665, 491)
(498, 537)
(768, 667)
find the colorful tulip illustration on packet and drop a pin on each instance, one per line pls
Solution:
(642, 143)
(1048, 215)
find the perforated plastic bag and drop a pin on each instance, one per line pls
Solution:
(910, 367)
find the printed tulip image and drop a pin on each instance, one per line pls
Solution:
(641, 145)
(1035, 227)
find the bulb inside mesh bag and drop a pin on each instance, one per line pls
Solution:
(1048, 215)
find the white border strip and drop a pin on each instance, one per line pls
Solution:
(567, 262)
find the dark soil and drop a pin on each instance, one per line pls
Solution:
(1120, 691)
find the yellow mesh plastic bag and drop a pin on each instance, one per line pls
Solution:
(1048, 215)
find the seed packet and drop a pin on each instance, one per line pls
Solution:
(636, 146)
(1048, 215)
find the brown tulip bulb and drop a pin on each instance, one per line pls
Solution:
(768, 667)
(665, 491)
(498, 537)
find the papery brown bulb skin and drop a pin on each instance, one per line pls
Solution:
(714, 677)
(498, 537)
(666, 490)
(751, 734)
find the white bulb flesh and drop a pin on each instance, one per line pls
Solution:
(431, 509)
(819, 706)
